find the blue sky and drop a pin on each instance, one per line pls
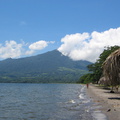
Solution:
(77, 28)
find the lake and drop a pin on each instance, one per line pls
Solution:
(46, 102)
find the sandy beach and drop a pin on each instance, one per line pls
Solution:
(109, 102)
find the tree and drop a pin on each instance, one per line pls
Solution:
(87, 78)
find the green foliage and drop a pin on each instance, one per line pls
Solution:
(96, 68)
(85, 78)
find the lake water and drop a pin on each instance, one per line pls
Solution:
(46, 102)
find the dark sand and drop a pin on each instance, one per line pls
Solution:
(110, 102)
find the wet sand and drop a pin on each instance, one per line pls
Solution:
(109, 102)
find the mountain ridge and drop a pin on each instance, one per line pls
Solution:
(50, 67)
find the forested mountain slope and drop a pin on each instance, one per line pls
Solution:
(50, 67)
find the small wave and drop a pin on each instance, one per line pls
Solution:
(81, 96)
(83, 89)
(87, 110)
(71, 101)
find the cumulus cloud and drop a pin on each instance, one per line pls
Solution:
(87, 46)
(29, 52)
(39, 45)
(11, 49)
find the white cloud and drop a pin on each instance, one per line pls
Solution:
(72, 42)
(87, 46)
(11, 49)
(39, 45)
(29, 52)
(51, 42)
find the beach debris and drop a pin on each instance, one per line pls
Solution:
(112, 91)
(108, 110)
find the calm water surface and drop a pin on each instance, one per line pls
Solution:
(46, 102)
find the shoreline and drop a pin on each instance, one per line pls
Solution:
(109, 102)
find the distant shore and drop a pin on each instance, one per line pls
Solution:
(110, 102)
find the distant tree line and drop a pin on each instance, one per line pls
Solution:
(63, 75)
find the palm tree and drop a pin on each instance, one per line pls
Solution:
(111, 68)
(103, 81)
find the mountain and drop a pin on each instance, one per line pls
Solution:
(50, 67)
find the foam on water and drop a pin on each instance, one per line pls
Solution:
(96, 114)
(82, 95)
(83, 88)
(71, 101)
